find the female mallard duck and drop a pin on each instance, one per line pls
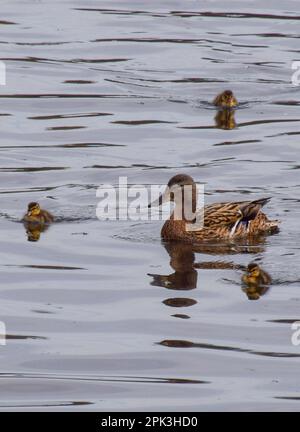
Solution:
(226, 99)
(35, 215)
(225, 220)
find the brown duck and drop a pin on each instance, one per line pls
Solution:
(226, 220)
(226, 99)
(256, 281)
(36, 215)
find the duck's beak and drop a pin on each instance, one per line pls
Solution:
(163, 198)
(255, 273)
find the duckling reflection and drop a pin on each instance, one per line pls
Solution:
(224, 119)
(255, 282)
(34, 231)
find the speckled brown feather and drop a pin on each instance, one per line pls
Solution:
(219, 220)
(44, 217)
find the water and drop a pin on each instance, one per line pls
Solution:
(96, 317)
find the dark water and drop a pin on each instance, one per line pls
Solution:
(96, 317)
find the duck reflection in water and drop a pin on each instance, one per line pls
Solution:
(182, 260)
(185, 275)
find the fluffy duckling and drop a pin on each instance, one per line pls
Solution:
(256, 275)
(226, 99)
(256, 281)
(35, 215)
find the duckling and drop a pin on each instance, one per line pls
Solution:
(226, 220)
(256, 281)
(226, 99)
(256, 275)
(35, 215)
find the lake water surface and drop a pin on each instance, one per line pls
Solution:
(102, 315)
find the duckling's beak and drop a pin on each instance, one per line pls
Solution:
(255, 273)
(163, 198)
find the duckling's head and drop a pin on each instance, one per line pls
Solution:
(254, 270)
(33, 209)
(226, 99)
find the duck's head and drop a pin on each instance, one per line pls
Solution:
(179, 181)
(181, 189)
(33, 209)
(253, 270)
(226, 99)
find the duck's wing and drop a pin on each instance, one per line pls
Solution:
(47, 216)
(252, 208)
(231, 213)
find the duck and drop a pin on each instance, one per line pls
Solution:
(255, 275)
(217, 221)
(226, 99)
(256, 281)
(36, 215)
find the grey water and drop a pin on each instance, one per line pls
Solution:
(101, 315)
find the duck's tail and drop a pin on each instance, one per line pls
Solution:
(262, 224)
(251, 209)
